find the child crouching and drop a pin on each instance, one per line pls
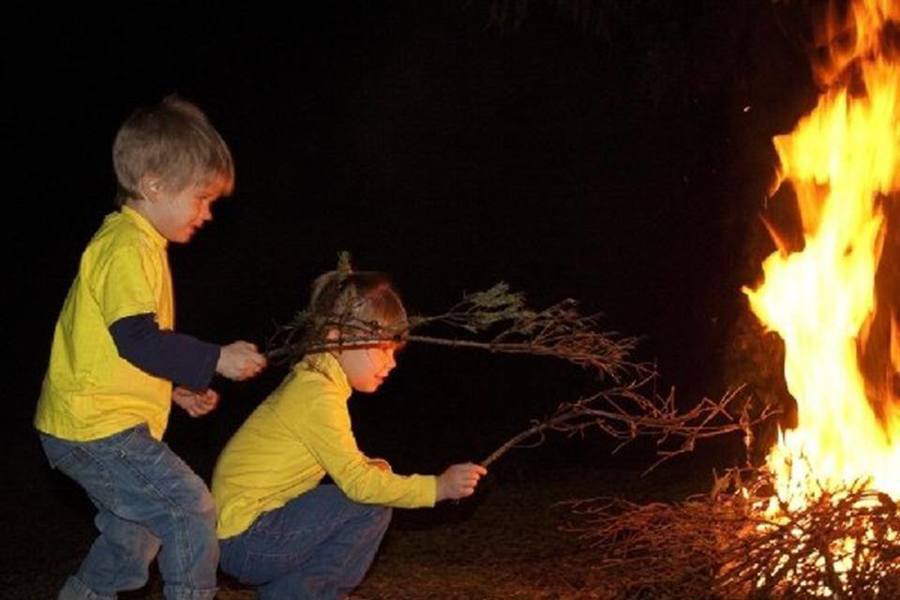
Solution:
(279, 529)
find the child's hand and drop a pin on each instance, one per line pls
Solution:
(195, 403)
(459, 481)
(239, 361)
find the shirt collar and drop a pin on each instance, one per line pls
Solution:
(144, 225)
(327, 364)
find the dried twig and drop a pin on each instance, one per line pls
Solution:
(625, 413)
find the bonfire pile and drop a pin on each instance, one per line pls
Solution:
(741, 542)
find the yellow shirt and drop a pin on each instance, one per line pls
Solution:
(89, 391)
(298, 434)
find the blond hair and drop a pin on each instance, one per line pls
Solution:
(174, 141)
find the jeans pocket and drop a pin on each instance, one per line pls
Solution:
(81, 462)
(59, 452)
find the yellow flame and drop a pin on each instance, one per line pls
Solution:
(842, 162)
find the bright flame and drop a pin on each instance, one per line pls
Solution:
(851, 36)
(842, 161)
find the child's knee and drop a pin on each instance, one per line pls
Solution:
(206, 507)
(381, 516)
(204, 515)
(198, 503)
(196, 515)
(386, 512)
(369, 516)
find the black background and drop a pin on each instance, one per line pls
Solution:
(624, 166)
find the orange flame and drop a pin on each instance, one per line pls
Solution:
(847, 35)
(842, 162)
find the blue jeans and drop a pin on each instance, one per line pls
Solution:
(148, 500)
(319, 545)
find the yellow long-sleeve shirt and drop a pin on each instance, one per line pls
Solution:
(298, 434)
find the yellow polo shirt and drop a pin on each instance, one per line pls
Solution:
(298, 434)
(89, 391)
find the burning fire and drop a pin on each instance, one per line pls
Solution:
(842, 161)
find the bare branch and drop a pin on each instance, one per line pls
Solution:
(625, 414)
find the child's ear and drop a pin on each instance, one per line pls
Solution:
(149, 186)
(332, 334)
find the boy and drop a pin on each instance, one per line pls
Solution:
(106, 396)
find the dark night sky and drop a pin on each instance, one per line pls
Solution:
(625, 170)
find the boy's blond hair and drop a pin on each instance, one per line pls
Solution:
(173, 141)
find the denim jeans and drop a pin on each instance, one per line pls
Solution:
(148, 500)
(319, 545)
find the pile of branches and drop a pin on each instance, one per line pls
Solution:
(742, 542)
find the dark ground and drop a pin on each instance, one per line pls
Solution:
(507, 542)
(626, 169)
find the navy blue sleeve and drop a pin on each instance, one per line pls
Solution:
(177, 357)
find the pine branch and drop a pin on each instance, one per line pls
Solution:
(495, 320)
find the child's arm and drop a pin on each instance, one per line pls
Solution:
(179, 357)
(322, 424)
(458, 481)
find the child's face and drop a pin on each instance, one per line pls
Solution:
(367, 368)
(178, 214)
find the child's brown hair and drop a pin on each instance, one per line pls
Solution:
(361, 306)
